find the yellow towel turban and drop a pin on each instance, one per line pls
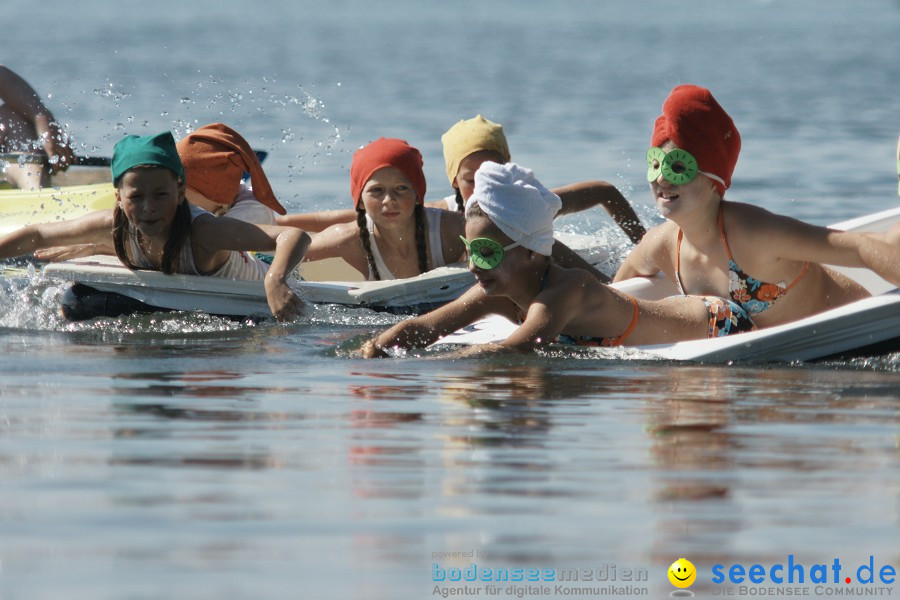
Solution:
(470, 136)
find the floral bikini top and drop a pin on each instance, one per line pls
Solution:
(752, 295)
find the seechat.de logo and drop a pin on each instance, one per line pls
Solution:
(682, 573)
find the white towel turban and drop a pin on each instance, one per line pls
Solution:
(517, 203)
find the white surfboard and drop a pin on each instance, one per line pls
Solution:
(871, 323)
(218, 296)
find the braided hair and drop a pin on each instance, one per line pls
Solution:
(460, 204)
(365, 239)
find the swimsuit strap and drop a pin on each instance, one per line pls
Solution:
(618, 341)
(678, 262)
(742, 274)
(435, 242)
(721, 223)
(799, 276)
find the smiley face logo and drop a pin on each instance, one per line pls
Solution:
(682, 573)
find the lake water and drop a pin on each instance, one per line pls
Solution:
(191, 457)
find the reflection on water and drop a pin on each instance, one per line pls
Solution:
(227, 459)
(331, 463)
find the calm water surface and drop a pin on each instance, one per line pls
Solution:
(186, 456)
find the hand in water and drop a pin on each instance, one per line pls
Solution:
(371, 350)
(283, 302)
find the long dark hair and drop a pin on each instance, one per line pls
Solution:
(181, 231)
(419, 213)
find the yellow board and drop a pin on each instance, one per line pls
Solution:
(20, 207)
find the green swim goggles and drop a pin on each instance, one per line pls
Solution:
(485, 253)
(677, 166)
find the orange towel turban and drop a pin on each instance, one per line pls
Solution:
(215, 158)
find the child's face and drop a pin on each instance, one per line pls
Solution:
(465, 175)
(150, 196)
(501, 279)
(673, 199)
(389, 197)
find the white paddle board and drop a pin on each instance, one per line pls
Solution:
(215, 295)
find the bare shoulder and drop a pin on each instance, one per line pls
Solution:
(750, 223)
(569, 286)
(453, 225)
(337, 234)
(341, 240)
(660, 235)
(654, 253)
(208, 231)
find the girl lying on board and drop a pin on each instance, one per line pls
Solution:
(394, 235)
(468, 144)
(153, 227)
(509, 235)
(770, 265)
(215, 158)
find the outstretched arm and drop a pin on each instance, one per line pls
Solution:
(423, 330)
(94, 228)
(317, 221)
(61, 253)
(550, 312)
(22, 99)
(290, 247)
(793, 239)
(587, 194)
(214, 234)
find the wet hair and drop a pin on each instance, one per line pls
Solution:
(181, 231)
(364, 238)
(475, 211)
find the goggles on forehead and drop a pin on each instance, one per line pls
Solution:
(485, 253)
(677, 166)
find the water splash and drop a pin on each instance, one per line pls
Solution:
(30, 302)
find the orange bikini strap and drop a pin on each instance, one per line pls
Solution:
(728, 250)
(798, 277)
(634, 321)
(721, 222)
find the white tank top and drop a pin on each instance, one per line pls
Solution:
(451, 203)
(240, 265)
(433, 228)
(248, 209)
